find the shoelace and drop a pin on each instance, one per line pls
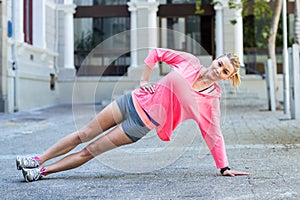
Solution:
(30, 162)
(36, 174)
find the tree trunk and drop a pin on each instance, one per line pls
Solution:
(297, 22)
(272, 46)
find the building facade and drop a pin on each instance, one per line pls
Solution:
(34, 52)
(84, 51)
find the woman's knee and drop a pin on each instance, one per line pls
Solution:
(84, 134)
(92, 150)
(86, 153)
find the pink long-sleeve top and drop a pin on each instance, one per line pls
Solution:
(174, 101)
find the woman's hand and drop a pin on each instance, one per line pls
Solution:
(234, 173)
(147, 87)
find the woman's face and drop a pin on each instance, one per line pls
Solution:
(220, 69)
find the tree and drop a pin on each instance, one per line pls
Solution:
(262, 10)
(271, 42)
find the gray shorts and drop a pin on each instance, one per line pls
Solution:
(132, 124)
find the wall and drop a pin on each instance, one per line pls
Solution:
(29, 66)
(94, 90)
(34, 68)
(3, 60)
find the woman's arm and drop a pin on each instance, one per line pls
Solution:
(209, 124)
(176, 59)
(157, 55)
(144, 82)
(217, 147)
(145, 75)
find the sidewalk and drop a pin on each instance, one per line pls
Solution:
(266, 144)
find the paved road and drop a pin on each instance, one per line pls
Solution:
(266, 144)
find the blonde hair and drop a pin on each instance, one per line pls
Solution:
(235, 78)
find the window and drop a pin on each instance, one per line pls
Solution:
(182, 1)
(28, 21)
(100, 2)
(101, 38)
(116, 2)
(89, 34)
(182, 19)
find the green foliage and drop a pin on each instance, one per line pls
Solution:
(233, 21)
(199, 10)
(246, 8)
(234, 4)
(256, 26)
(261, 9)
(256, 34)
(249, 31)
(214, 3)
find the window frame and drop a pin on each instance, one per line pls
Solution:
(27, 21)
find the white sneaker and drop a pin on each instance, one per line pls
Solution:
(26, 162)
(33, 174)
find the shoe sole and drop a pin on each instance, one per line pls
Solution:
(25, 176)
(18, 165)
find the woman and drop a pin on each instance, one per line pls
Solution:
(189, 91)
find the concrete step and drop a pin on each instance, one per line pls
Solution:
(240, 97)
(243, 99)
(249, 102)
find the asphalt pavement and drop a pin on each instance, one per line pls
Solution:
(263, 143)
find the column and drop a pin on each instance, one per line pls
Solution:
(39, 26)
(219, 29)
(4, 86)
(69, 9)
(143, 29)
(152, 22)
(238, 34)
(133, 34)
(17, 20)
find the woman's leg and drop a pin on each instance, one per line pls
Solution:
(115, 138)
(106, 119)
